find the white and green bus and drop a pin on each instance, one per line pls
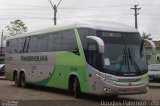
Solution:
(102, 58)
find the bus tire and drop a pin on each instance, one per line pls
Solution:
(23, 80)
(76, 88)
(16, 80)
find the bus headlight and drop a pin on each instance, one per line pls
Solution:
(107, 90)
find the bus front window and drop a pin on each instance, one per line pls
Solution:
(134, 45)
(114, 58)
(124, 53)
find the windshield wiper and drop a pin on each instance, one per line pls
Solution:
(125, 56)
(24, 45)
(141, 48)
(28, 44)
(133, 61)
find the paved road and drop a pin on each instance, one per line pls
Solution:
(9, 92)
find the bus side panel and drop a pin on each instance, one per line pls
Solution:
(40, 70)
(9, 72)
(66, 62)
(11, 65)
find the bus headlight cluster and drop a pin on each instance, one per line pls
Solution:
(108, 81)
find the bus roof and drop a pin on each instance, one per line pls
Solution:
(99, 25)
(107, 25)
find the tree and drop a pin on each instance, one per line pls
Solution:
(146, 36)
(16, 27)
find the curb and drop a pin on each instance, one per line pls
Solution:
(154, 85)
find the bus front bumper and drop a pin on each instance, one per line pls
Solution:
(131, 88)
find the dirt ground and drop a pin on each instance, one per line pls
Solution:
(41, 95)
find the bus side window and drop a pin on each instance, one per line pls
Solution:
(54, 42)
(20, 45)
(42, 43)
(13, 46)
(83, 33)
(69, 42)
(92, 53)
(32, 44)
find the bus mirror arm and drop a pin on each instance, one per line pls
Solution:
(99, 42)
(152, 44)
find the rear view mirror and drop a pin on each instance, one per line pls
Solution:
(99, 42)
(152, 44)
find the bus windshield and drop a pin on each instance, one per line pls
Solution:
(124, 53)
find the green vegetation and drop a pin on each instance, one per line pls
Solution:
(16, 27)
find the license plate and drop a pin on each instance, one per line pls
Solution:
(130, 90)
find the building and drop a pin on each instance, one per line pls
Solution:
(2, 55)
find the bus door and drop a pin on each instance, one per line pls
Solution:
(93, 59)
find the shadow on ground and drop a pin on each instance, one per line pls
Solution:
(88, 97)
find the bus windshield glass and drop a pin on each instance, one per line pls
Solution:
(124, 53)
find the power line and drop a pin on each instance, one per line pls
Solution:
(20, 9)
(67, 8)
(100, 15)
(114, 5)
(6, 18)
(108, 15)
(22, 5)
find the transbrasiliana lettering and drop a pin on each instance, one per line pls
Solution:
(34, 58)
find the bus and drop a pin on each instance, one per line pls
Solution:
(101, 58)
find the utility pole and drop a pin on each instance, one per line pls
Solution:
(55, 10)
(2, 41)
(136, 14)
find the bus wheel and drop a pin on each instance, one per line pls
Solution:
(16, 80)
(22, 80)
(76, 88)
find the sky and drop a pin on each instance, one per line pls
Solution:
(38, 14)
